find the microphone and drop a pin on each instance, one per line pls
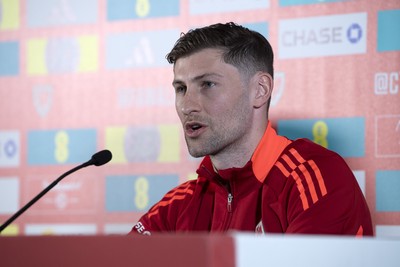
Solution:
(98, 159)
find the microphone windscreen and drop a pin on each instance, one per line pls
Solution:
(101, 157)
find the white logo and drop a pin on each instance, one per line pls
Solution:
(42, 99)
(140, 229)
(386, 83)
(142, 54)
(260, 228)
(323, 36)
(9, 148)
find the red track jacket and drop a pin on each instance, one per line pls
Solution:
(286, 187)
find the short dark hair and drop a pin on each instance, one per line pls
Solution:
(247, 50)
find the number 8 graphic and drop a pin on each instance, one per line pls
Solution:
(141, 189)
(142, 8)
(320, 132)
(61, 152)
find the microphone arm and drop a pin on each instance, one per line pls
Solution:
(97, 159)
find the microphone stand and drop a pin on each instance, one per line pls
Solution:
(41, 194)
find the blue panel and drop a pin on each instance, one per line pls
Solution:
(9, 58)
(388, 30)
(41, 13)
(388, 190)
(346, 136)
(198, 7)
(261, 27)
(136, 9)
(61, 146)
(306, 2)
(137, 193)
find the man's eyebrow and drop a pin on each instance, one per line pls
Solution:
(197, 78)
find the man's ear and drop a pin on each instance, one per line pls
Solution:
(263, 88)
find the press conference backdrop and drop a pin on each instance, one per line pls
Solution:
(80, 76)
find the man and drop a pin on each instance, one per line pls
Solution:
(250, 179)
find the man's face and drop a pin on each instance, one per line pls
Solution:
(212, 103)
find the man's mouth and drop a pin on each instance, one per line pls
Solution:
(193, 129)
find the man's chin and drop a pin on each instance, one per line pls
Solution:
(195, 153)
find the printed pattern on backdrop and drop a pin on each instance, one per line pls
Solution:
(77, 77)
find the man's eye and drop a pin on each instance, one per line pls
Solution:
(207, 84)
(180, 89)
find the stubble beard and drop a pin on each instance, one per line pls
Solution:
(214, 143)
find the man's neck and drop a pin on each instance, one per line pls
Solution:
(237, 157)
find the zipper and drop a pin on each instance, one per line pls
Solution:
(229, 205)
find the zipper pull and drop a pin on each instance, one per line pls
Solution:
(229, 206)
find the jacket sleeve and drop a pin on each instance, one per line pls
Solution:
(162, 217)
(326, 199)
(318, 194)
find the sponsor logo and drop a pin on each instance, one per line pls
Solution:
(42, 99)
(9, 148)
(66, 197)
(62, 55)
(323, 36)
(139, 50)
(386, 83)
(145, 97)
(141, 229)
(260, 228)
(144, 144)
(47, 147)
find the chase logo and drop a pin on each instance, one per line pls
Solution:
(323, 36)
(62, 55)
(354, 33)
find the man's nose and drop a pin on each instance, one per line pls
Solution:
(190, 103)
